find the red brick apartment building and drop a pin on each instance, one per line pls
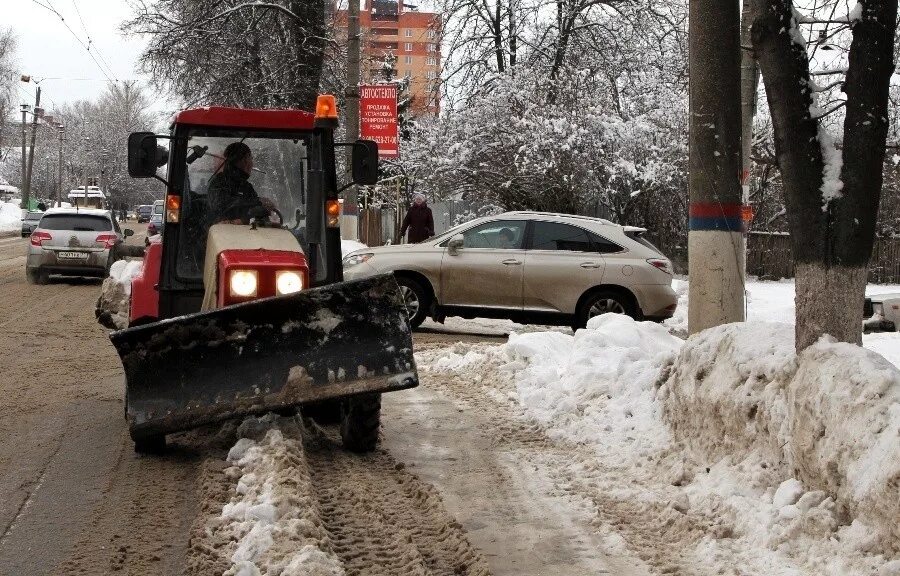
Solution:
(392, 26)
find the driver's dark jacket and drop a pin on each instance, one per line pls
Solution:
(231, 196)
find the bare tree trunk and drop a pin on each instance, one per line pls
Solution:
(831, 239)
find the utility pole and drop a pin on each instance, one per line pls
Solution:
(34, 127)
(715, 239)
(59, 185)
(749, 84)
(24, 204)
(351, 208)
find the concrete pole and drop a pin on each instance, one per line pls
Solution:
(749, 85)
(24, 157)
(351, 128)
(715, 239)
(59, 180)
(34, 127)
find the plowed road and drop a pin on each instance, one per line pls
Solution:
(75, 499)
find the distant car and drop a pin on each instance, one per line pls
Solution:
(144, 212)
(30, 222)
(881, 313)
(157, 222)
(527, 266)
(72, 242)
(130, 215)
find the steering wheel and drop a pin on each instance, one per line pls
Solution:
(277, 212)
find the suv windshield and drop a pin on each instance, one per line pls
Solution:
(76, 222)
(270, 166)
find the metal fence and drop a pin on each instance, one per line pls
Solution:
(769, 257)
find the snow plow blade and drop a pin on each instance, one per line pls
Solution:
(268, 354)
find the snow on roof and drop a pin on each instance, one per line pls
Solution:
(92, 192)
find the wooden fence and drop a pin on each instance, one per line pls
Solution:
(769, 257)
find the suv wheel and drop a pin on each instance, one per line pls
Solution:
(416, 298)
(603, 302)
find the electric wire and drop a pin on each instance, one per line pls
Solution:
(91, 40)
(74, 35)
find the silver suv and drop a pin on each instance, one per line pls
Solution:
(73, 242)
(527, 266)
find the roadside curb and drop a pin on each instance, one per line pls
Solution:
(9, 234)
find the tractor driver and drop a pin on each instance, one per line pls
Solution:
(231, 196)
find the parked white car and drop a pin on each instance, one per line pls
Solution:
(882, 313)
(527, 266)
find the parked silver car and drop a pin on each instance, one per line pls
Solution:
(73, 242)
(30, 222)
(527, 266)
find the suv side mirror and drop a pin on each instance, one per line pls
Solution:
(364, 159)
(455, 244)
(144, 156)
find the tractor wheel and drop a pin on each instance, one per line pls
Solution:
(150, 444)
(360, 421)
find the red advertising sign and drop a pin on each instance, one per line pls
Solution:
(378, 118)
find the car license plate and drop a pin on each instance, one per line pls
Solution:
(74, 255)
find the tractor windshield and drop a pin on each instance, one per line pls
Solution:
(227, 172)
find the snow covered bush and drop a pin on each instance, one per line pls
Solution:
(114, 303)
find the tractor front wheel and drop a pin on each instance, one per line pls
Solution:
(360, 421)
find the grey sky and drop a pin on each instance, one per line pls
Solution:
(46, 48)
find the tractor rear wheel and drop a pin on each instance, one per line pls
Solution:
(360, 421)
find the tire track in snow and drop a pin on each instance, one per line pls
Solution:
(382, 519)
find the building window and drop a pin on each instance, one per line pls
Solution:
(430, 48)
(431, 61)
(431, 74)
(408, 46)
(408, 33)
(407, 59)
(432, 34)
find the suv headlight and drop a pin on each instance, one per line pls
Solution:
(243, 282)
(354, 259)
(288, 282)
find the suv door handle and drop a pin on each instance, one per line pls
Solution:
(590, 265)
(511, 262)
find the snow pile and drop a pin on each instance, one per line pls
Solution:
(602, 378)
(830, 418)
(10, 217)
(348, 246)
(272, 521)
(114, 303)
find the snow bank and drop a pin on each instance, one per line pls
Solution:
(272, 521)
(602, 378)
(10, 217)
(114, 303)
(830, 417)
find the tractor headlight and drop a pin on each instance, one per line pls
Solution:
(243, 283)
(288, 282)
(354, 259)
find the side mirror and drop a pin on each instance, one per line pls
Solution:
(364, 159)
(455, 244)
(144, 156)
(128, 232)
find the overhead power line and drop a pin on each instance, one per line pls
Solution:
(87, 48)
(91, 40)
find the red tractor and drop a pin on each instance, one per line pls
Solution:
(235, 316)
